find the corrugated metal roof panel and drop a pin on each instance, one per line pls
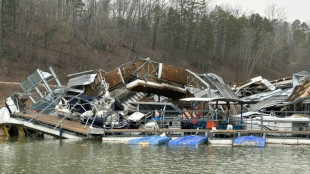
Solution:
(272, 101)
(81, 80)
(225, 91)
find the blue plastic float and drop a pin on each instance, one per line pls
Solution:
(150, 140)
(188, 141)
(251, 141)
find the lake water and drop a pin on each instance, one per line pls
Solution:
(35, 155)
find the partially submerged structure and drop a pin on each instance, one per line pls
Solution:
(144, 94)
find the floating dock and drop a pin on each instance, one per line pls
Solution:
(53, 125)
(283, 137)
(63, 128)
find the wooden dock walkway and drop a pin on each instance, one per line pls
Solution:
(51, 120)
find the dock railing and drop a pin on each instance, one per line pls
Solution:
(260, 124)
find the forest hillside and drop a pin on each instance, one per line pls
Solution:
(78, 35)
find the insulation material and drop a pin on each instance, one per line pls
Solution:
(301, 91)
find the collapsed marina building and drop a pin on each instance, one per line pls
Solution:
(144, 94)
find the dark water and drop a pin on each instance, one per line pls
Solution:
(29, 155)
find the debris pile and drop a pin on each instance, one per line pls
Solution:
(151, 95)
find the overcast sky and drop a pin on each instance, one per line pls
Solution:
(295, 9)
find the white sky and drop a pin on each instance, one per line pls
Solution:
(295, 9)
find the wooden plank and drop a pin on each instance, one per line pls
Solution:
(53, 121)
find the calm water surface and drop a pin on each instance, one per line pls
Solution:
(29, 155)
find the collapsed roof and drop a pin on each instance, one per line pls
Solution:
(142, 80)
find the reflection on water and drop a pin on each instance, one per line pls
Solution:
(29, 155)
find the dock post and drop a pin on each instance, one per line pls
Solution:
(192, 108)
(262, 124)
(182, 107)
(238, 134)
(60, 132)
(241, 111)
(204, 110)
